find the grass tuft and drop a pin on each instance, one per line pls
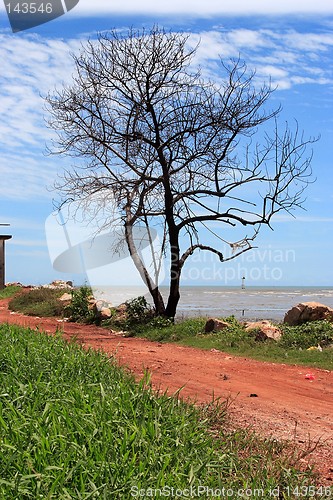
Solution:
(9, 291)
(38, 302)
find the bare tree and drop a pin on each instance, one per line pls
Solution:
(174, 149)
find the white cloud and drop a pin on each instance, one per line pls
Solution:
(192, 7)
(287, 57)
(212, 45)
(32, 66)
(25, 176)
(249, 38)
(309, 42)
(273, 72)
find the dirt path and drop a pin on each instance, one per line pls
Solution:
(277, 400)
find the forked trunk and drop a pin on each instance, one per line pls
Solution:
(153, 290)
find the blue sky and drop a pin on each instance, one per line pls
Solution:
(289, 42)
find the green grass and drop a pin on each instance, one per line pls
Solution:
(9, 291)
(73, 425)
(38, 302)
(291, 349)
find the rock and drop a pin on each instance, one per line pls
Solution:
(56, 284)
(308, 311)
(120, 312)
(215, 325)
(100, 304)
(121, 308)
(92, 302)
(102, 309)
(66, 297)
(105, 313)
(264, 330)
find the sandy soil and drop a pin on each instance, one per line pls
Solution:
(276, 400)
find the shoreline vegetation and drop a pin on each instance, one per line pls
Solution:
(309, 344)
(74, 424)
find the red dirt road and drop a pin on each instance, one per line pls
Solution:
(286, 405)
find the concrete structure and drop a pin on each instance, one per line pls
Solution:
(3, 238)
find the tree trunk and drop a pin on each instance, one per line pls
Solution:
(158, 302)
(153, 290)
(174, 296)
(175, 271)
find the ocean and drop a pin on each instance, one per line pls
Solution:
(252, 303)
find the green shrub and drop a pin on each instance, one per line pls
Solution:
(78, 310)
(38, 302)
(309, 334)
(160, 322)
(138, 311)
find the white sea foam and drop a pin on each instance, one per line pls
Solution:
(251, 303)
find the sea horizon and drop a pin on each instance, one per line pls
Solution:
(253, 302)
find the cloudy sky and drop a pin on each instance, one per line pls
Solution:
(289, 42)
